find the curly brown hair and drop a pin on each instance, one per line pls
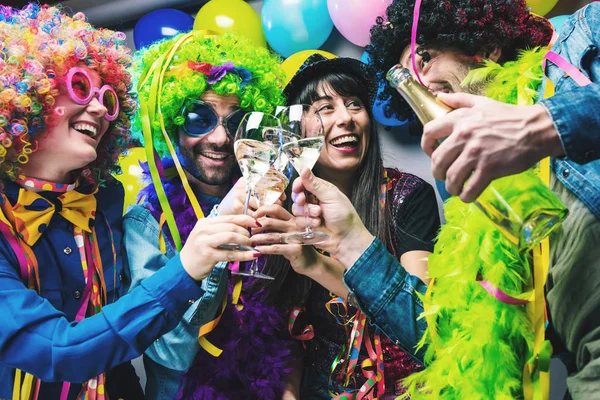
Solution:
(462, 25)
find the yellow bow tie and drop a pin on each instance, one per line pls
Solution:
(32, 212)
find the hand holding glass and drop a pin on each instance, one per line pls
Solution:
(304, 133)
(255, 157)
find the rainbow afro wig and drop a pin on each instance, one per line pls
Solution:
(39, 46)
(186, 66)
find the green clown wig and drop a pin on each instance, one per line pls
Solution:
(173, 73)
(227, 65)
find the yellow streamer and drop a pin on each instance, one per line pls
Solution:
(162, 246)
(209, 327)
(536, 379)
(22, 391)
(17, 386)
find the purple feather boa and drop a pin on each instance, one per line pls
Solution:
(255, 341)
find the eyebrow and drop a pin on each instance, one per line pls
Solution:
(324, 97)
(230, 106)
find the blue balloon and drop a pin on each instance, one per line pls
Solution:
(160, 24)
(558, 21)
(379, 105)
(293, 26)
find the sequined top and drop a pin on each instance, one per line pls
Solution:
(416, 221)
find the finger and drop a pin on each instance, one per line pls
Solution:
(237, 219)
(321, 189)
(444, 157)
(253, 204)
(458, 173)
(300, 198)
(270, 238)
(314, 210)
(282, 197)
(219, 238)
(232, 255)
(478, 182)
(273, 211)
(435, 131)
(302, 223)
(222, 227)
(286, 250)
(297, 188)
(275, 225)
(459, 100)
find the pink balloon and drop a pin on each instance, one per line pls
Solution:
(354, 18)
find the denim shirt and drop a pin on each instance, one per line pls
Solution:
(389, 296)
(173, 353)
(38, 333)
(575, 110)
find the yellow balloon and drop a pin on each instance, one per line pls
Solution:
(231, 16)
(541, 7)
(293, 62)
(131, 178)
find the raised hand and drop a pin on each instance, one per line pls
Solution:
(201, 253)
(234, 202)
(485, 140)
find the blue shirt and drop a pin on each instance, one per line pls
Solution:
(170, 356)
(38, 334)
(575, 110)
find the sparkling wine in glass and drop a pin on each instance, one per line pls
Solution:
(270, 187)
(304, 136)
(255, 157)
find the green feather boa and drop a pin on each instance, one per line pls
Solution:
(478, 345)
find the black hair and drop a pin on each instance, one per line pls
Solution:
(463, 25)
(293, 288)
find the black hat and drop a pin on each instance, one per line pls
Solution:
(317, 65)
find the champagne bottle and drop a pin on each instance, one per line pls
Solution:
(521, 206)
(422, 101)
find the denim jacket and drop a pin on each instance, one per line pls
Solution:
(389, 296)
(575, 110)
(172, 354)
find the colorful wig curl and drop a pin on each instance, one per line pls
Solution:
(256, 78)
(39, 45)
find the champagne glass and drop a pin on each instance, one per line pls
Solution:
(303, 136)
(255, 157)
(272, 185)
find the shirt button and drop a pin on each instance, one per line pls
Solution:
(67, 250)
(566, 173)
(77, 294)
(120, 277)
(191, 301)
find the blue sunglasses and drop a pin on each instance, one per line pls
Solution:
(201, 119)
